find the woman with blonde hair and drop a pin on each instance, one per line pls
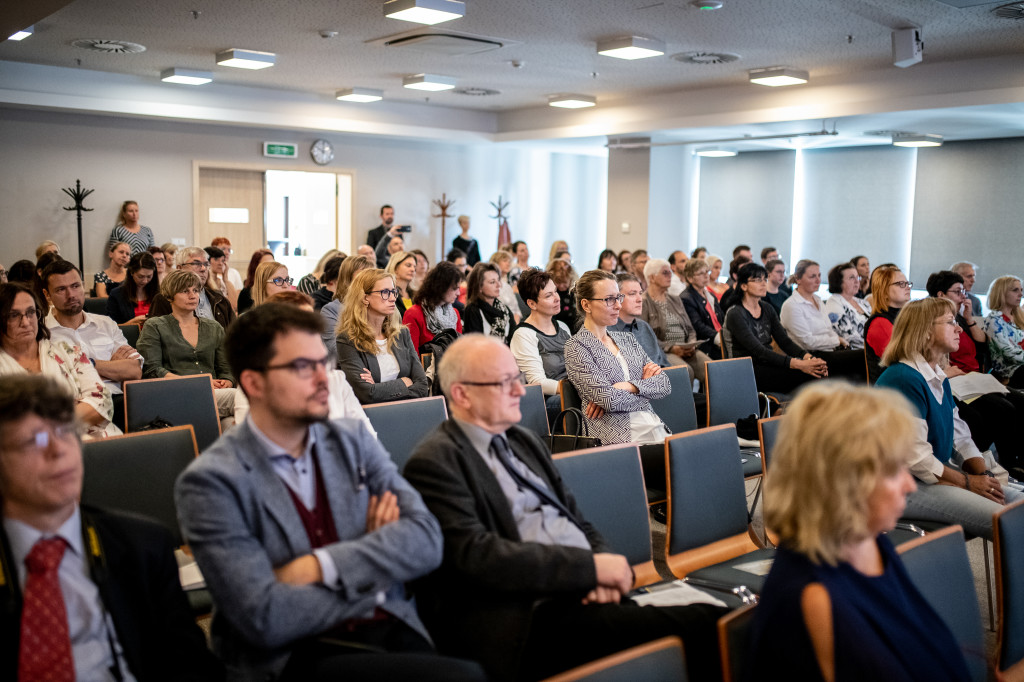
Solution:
(269, 278)
(374, 350)
(47, 246)
(332, 311)
(402, 267)
(557, 246)
(1004, 326)
(838, 603)
(714, 286)
(953, 485)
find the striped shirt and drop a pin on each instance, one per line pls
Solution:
(138, 242)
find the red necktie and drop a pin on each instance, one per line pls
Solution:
(45, 651)
(711, 311)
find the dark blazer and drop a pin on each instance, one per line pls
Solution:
(478, 604)
(353, 361)
(119, 308)
(222, 311)
(693, 303)
(375, 235)
(138, 582)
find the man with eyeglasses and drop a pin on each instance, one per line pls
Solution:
(212, 305)
(303, 528)
(87, 594)
(527, 587)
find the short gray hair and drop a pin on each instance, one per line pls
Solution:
(654, 265)
(184, 255)
(452, 367)
(958, 268)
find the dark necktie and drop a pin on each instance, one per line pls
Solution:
(500, 448)
(45, 648)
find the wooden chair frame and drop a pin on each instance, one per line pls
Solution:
(725, 625)
(583, 672)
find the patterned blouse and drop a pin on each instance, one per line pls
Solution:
(1004, 341)
(102, 278)
(848, 320)
(139, 242)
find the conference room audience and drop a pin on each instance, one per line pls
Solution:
(432, 311)
(952, 483)
(846, 311)
(969, 271)
(1004, 326)
(838, 603)
(503, 260)
(863, 266)
(390, 245)
(485, 313)
(625, 261)
(702, 307)
(105, 281)
(129, 230)
(667, 317)
(329, 280)
(212, 305)
(233, 276)
(219, 280)
(778, 290)
(47, 246)
(26, 348)
(561, 275)
(259, 256)
(402, 267)
(422, 265)
(637, 263)
(271, 277)
(375, 350)
(130, 302)
(310, 283)
(170, 249)
(331, 312)
(890, 291)
(733, 295)
(557, 246)
(752, 325)
(182, 344)
(160, 259)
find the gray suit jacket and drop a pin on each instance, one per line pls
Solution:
(240, 522)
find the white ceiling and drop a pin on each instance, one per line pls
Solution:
(968, 86)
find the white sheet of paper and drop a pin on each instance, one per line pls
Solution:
(974, 384)
(676, 593)
(755, 567)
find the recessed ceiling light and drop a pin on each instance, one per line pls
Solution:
(916, 140)
(185, 76)
(715, 152)
(428, 12)
(246, 59)
(23, 33)
(428, 81)
(631, 47)
(571, 101)
(359, 95)
(707, 4)
(775, 76)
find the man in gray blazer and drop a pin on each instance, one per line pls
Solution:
(303, 528)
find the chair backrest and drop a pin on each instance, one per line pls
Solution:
(534, 410)
(734, 642)
(1008, 524)
(96, 306)
(131, 333)
(677, 409)
(706, 497)
(608, 485)
(731, 390)
(768, 433)
(402, 424)
(136, 472)
(658, 661)
(178, 400)
(941, 571)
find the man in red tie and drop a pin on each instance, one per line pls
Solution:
(87, 595)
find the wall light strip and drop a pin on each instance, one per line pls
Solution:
(246, 59)
(916, 140)
(427, 12)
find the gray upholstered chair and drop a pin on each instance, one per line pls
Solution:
(402, 424)
(1008, 524)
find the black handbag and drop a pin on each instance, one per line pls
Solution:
(565, 443)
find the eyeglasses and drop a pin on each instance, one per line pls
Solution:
(40, 440)
(198, 264)
(30, 314)
(281, 281)
(505, 384)
(756, 279)
(957, 292)
(903, 285)
(303, 368)
(386, 294)
(610, 300)
(951, 323)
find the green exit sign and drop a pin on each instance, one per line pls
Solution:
(280, 150)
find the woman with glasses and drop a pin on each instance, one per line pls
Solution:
(107, 280)
(953, 485)
(375, 351)
(245, 297)
(129, 303)
(160, 259)
(845, 309)
(26, 348)
(270, 278)
(218, 279)
(432, 311)
(702, 307)
(1004, 326)
(484, 312)
(890, 291)
(752, 324)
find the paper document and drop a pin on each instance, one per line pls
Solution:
(967, 387)
(755, 567)
(675, 593)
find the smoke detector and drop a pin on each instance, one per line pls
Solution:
(109, 46)
(705, 58)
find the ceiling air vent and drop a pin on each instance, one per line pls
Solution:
(1015, 10)
(705, 57)
(447, 44)
(476, 92)
(110, 46)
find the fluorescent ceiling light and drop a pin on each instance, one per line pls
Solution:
(185, 76)
(23, 33)
(246, 59)
(571, 101)
(631, 47)
(428, 81)
(428, 12)
(359, 95)
(715, 152)
(916, 140)
(776, 76)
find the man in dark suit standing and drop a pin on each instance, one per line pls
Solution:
(527, 586)
(387, 217)
(88, 595)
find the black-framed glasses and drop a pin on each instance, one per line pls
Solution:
(303, 368)
(958, 292)
(386, 294)
(903, 285)
(505, 384)
(197, 264)
(30, 313)
(756, 279)
(609, 301)
(281, 281)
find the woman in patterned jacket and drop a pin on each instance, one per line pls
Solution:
(1004, 326)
